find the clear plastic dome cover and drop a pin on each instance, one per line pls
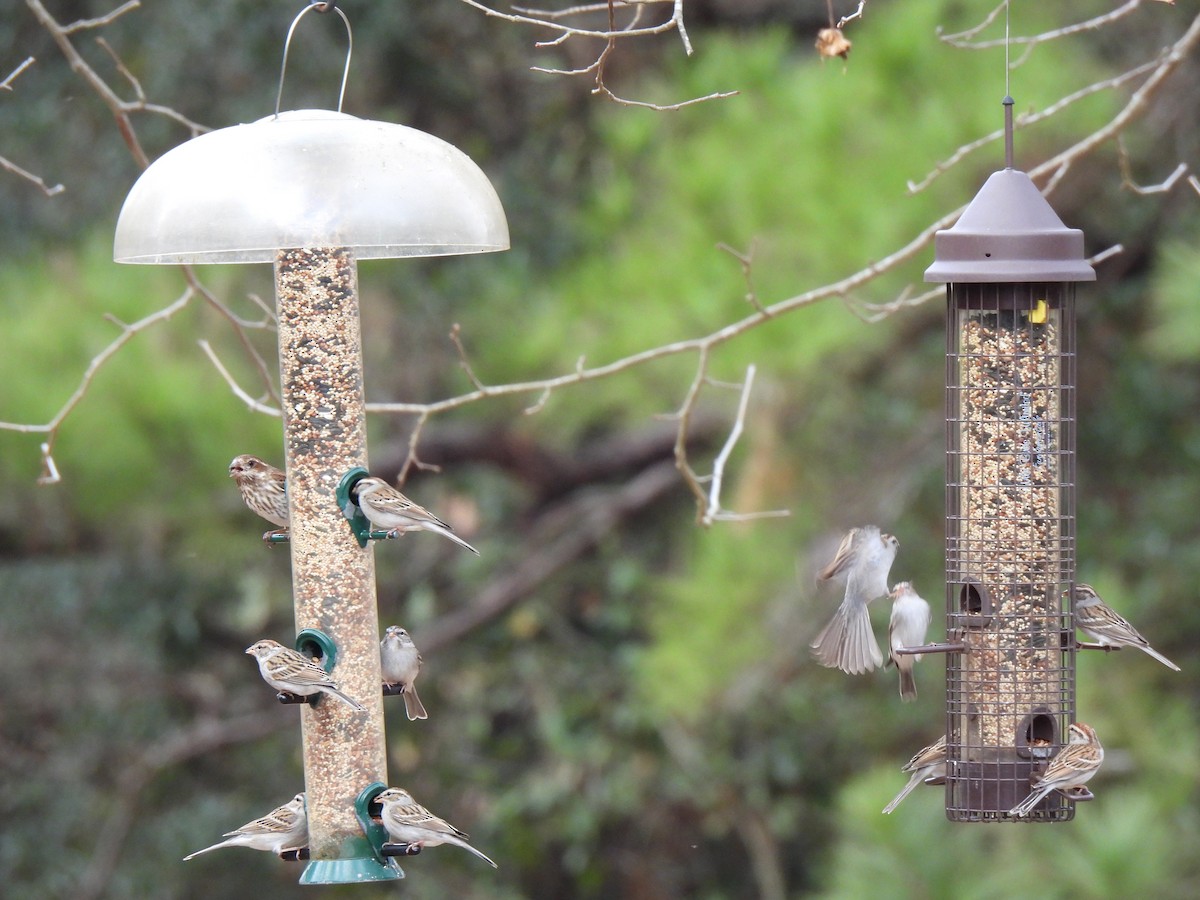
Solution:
(309, 178)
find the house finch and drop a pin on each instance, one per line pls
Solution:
(864, 558)
(283, 828)
(263, 488)
(1071, 767)
(401, 663)
(928, 763)
(408, 822)
(289, 670)
(1095, 619)
(910, 620)
(387, 508)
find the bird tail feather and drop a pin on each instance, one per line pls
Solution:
(413, 705)
(847, 642)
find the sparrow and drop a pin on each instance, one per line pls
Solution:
(864, 558)
(263, 488)
(910, 620)
(928, 763)
(408, 822)
(401, 663)
(283, 828)
(387, 508)
(1095, 619)
(1071, 767)
(289, 670)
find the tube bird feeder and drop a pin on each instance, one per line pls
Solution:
(312, 191)
(1010, 266)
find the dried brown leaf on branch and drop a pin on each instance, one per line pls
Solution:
(831, 42)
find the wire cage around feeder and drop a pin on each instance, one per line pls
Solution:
(1010, 266)
(1010, 540)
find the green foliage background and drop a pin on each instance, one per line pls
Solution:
(646, 722)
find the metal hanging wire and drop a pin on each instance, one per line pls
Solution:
(322, 7)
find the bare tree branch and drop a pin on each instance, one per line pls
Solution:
(563, 23)
(48, 190)
(965, 40)
(1026, 119)
(1127, 174)
(713, 511)
(255, 405)
(51, 427)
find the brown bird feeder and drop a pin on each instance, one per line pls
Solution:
(313, 191)
(1010, 266)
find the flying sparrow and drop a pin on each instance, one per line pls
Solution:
(910, 620)
(289, 670)
(263, 488)
(1098, 621)
(387, 508)
(401, 663)
(928, 763)
(283, 828)
(1071, 767)
(864, 559)
(408, 822)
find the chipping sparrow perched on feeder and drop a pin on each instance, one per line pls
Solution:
(1098, 621)
(387, 508)
(283, 828)
(263, 488)
(864, 558)
(929, 762)
(1071, 767)
(909, 622)
(289, 670)
(401, 663)
(408, 822)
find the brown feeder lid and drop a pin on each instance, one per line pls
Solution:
(1009, 233)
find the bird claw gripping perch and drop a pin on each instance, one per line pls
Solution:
(359, 525)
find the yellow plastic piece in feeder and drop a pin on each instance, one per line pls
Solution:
(1037, 315)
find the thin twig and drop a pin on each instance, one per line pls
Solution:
(6, 84)
(48, 190)
(456, 339)
(714, 512)
(746, 261)
(128, 332)
(1127, 174)
(1026, 119)
(255, 405)
(964, 41)
(559, 21)
(857, 14)
(109, 18)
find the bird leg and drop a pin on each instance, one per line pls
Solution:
(387, 848)
(289, 697)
